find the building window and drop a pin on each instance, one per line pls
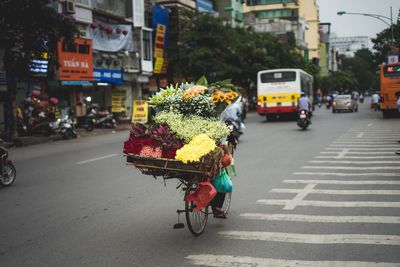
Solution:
(83, 2)
(276, 13)
(146, 45)
(268, 2)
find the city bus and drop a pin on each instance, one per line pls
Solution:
(389, 83)
(278, 91)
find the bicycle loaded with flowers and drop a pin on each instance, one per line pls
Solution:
(187, 140)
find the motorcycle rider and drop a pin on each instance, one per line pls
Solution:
(233, 112)
(304, 103)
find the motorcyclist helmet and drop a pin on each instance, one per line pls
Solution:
(302, 94)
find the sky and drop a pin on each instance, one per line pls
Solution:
(357, 25)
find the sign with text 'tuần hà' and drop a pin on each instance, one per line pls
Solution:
(140, 111)
(76, 60)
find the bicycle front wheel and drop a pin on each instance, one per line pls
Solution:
(196, 220)
(227, 202)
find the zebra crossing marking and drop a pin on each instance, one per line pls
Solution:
(337, 192)
(355, 162)
(352, 168)
(321, 219)
(331, 204)
(230, 261)
(313, 238)
(344, 182)
(382, 174)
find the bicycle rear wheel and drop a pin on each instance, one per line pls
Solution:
(196, 220)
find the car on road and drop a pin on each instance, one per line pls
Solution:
(344, 102)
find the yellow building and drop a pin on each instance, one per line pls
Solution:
(293, 10)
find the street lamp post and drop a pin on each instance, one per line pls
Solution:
(382, 18)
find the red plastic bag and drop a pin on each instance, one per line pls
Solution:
(202, 196)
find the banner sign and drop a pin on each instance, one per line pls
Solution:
(138, 13)
(118, 98)
(40, 65)
(111, 37)
(108, 76)
(158, 64)
(140, 112)
(76, 61)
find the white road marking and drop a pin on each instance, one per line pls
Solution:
(369, 124)
(321, 219)
(355, 157)
(360, 152)
(343, 153)
(368, 139)
(337, 192)
(382, 174)
(348, 182)
(365, 145)
(355, 162)
(95, 159)
(231, 261)
(360, 135)
(352, 168)
(312, 238)
(365, 149)
(332, 204)
(300, 196)
(365, 142)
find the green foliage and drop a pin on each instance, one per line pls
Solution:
(339, 81)
(364, 68)
(205, 46)
(30, 27)
(383, 43)
(160, 97)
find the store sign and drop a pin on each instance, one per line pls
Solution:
(40, 65)
(140, 112)
(108, 76)
(76, 61)
(118, 98)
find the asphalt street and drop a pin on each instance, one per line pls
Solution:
(327, 196)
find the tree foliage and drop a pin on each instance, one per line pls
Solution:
(29, 28)
(208, 47)
(383, 43)
(364, 68)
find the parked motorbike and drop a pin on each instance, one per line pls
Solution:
(64, 127)
(303, 121)
(8, 172)
(41, 125)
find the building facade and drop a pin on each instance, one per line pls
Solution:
(231, 12)
(347, 46)
(280, 16)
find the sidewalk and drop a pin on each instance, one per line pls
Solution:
(34, 140)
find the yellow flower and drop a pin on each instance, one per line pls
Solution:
(199, 146)
(194, 91)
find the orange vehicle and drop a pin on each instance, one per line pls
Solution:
(389, 82)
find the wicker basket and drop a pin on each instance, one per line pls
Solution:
(170, 168)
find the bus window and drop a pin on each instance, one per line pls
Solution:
(273, 77)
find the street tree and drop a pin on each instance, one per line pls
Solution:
(385, 45)
(206, 46)
(364, 68)
(28, 28)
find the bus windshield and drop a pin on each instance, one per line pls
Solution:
(282, 76)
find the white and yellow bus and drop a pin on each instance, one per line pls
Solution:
(278, 91)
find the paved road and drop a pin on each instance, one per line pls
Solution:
(328, 196)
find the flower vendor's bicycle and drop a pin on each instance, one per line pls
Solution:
(193, 179)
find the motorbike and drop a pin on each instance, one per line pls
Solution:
(64, 127)
(303, 121)
(235, 131)
(8, 172)
(41, 125)
(97, 119)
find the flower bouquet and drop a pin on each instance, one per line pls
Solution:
(186, 136)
